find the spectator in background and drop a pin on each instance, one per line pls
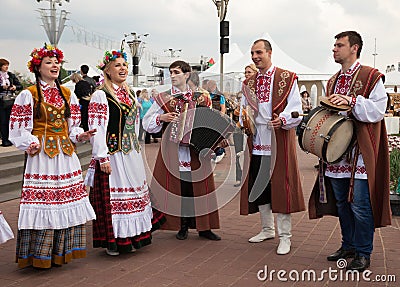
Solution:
(9, 84)
(146, 104)
(91, 81)
(306, 102)
(83, 91)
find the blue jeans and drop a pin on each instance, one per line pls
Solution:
(356, 219)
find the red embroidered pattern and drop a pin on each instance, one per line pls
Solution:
(264, 86)
(59, 195)
(123, 96)
(132, 205)
(345, 169)
(21, 115)
(75, 114)
(53, 97)
(344, 81)
(315, 132)
(262, 147)
(184, 163)
(54, 177)
(104, 160)
(129, 189)
(97, 111)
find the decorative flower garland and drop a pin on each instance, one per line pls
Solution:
(111, 56)
(46, 51)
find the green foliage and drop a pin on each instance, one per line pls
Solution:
(394, 169)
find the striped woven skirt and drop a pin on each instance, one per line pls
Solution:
(103, 233)
(44, 248)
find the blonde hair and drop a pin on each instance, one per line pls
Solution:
(75, 77)
(251, 66)
(107, 84)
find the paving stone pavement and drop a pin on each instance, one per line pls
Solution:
(229, 262)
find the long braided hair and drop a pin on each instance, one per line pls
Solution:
(37, 109)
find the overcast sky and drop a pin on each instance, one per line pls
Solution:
(304, 29)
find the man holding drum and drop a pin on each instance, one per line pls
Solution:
(273, 94)
(357, 188)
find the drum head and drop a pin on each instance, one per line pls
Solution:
(327, 104)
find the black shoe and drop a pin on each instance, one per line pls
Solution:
(359, 263)
(209, 235)
(6, 143)
(182, 234)
(341, 253)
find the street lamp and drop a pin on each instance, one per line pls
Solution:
(172, 51)
(222, 7)
(49, 21)
(135, 46)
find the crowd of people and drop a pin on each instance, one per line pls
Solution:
(47, 120)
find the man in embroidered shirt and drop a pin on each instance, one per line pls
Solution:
(272, 183)
(183, 184)
(357, 188)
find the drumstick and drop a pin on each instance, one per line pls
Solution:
(296, 114)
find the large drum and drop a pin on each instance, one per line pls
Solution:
(326, 134)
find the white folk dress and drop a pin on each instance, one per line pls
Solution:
(54, 203)
(5, 230)
(131, 210)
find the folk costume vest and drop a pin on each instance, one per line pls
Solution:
(121, 134)
(52, 127)
(286, 195)
(373, 143)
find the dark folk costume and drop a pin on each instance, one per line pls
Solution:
(54, 203)
(121, 200)
(178, 171)
(365, 86)
(273, 181)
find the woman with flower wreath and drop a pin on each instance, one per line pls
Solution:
(119, 193)
(54, 203)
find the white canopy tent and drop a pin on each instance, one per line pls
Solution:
(307, 77)
(392, 79)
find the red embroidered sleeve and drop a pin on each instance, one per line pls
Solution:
(21, 115)
(97, 113)
(75, 113)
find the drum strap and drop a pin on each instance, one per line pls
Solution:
(353, 172)
(322, 189)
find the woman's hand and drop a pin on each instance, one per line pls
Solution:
(106, 167)
(33, 148)
(86, 135)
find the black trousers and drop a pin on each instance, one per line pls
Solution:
(84, 114)
(238, 138)
(187, 205)
(5, 113)
(260, 183)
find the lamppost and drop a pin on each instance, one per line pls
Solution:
(172, 51)
(135, 46)
(222, 6)
(49, 21)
